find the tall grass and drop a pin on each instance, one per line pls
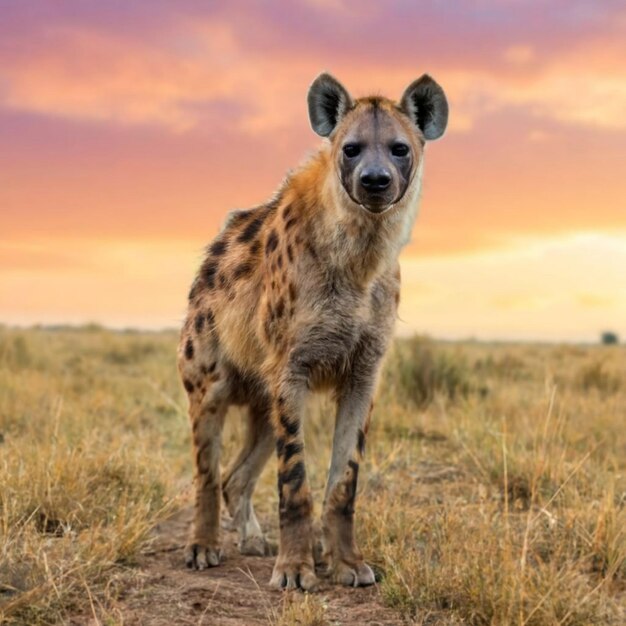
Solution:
(81, 479)
(533, 531)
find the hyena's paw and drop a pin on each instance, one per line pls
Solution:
(201, 556)
(292, 574)
(359, 574)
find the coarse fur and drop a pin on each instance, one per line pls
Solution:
(297, 295)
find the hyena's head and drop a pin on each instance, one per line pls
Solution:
(377, 144)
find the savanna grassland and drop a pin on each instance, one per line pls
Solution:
(494, 490)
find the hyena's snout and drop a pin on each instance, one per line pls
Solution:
(376, 186)
(375, 179)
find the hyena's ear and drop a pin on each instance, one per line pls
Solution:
(328, 102)
(425, 103)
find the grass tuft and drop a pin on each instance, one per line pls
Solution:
(419, 372)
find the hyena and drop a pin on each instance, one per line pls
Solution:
(297, 295)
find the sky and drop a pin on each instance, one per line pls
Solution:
(129, 129)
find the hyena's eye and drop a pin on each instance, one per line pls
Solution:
(351, 150)
(399, 149)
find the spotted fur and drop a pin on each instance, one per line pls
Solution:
(297, 295)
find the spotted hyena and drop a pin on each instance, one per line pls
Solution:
(297, 295)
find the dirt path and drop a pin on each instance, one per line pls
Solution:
(234, 594)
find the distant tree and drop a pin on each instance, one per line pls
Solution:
(609, 338)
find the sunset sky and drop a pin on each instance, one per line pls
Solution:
(129, 129)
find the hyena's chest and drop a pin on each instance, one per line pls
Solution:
(330, 330)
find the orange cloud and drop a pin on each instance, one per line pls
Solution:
(131, 129)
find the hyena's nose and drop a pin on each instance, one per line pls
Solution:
(375, 179)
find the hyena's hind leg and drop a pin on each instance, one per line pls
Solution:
(207, 410)
(241, 478)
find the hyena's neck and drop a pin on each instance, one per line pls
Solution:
(345, 235)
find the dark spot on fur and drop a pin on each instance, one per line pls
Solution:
(255, 247)
(291, 509)
(210, 319)
(208, 369)
(294, 477)
(290, 253)
(250, 231)
(243, 269)
(279, 261)
(199, 322)
(209, 270)
(290, 450)
(188, 385)
(236, 218)
(189, 349)
(348, 508)
(291, 428)
(280, 307)
(287, 212)
(292, 292)
(290, 222)
(218, 248)
(361, 442)
(272, 242)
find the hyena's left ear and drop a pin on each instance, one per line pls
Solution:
(328, 102)
(425, 103)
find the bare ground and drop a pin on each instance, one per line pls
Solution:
(236, 593)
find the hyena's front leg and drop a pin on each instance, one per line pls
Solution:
(294, 566)
(344, 560)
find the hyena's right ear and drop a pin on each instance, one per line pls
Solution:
(328, 102)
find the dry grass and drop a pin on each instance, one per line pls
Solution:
(302, 610)
(532, 528)
(81, 477)
(494, 490)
